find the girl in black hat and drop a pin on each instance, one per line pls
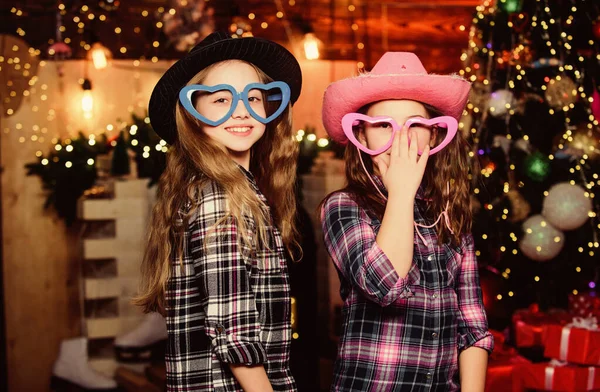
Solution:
(215, 263)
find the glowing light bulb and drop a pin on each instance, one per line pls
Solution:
(311, 46)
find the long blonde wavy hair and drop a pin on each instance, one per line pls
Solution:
(448, 166)
(194, 159)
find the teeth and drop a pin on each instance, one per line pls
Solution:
(239, 129)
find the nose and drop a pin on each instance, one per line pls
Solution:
(240, 111)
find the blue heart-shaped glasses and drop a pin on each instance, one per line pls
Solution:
(281, 94)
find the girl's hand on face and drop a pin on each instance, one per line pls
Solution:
(405, 171)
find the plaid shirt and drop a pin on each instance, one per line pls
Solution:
(401, 334)
(229, 304)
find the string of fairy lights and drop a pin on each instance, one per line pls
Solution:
(480, 72)
(74, 21)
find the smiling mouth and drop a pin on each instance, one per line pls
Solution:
(243, 130)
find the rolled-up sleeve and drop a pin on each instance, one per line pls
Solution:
(232, 319)
(350, 241)
(472, 320)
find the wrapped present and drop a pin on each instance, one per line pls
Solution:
(557, 376)
(577, 342)
(584, 304)
(530, 325)
(500, 371)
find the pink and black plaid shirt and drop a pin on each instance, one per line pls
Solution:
(401, 334)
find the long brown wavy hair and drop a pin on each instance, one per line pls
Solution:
(192, 161)
(448, 166)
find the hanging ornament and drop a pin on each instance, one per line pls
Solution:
(523, 145)
(190, 23)
(519, 207)
(561, 92)
(541, 241)
(567, 207)
(59, 52)
(537, 166)
(479, 94)
(109, 5)
(596, 29)
(500, 102)
(503, 142)
(582, 141)
(510, 6)
(595, 105)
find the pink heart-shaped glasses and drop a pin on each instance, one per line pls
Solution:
(445, 128)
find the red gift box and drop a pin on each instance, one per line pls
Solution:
(577, 342)
(500, 371)
(555, 376)
(530, 325)
(584, 305)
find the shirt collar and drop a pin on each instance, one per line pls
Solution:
(249, 176)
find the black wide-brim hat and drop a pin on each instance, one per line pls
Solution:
(273, 59)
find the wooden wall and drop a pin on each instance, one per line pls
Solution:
(430, 28)
(41, 265)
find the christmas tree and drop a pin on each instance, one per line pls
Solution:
(532, 125)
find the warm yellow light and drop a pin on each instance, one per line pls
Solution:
(311, 46)
(87, 102)
(99, 55)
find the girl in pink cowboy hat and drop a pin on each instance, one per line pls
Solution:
(399, 233)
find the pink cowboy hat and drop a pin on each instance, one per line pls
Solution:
(397, 75)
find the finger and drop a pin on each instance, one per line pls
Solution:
(396, 144)
(422, 163)
(403, 150)
(382, 166)
(413, 149)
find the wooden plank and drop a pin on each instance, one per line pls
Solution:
(132, 189)
(99, 248)
(133, 230)
(107, 209)
(133, 381)
(109, 366)
(102, 288)
(110, 327)
(112, 248)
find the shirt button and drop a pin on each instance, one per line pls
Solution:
(430, 258)
(220, 329)
(434, 296)
(434, 335)
(428, 375)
